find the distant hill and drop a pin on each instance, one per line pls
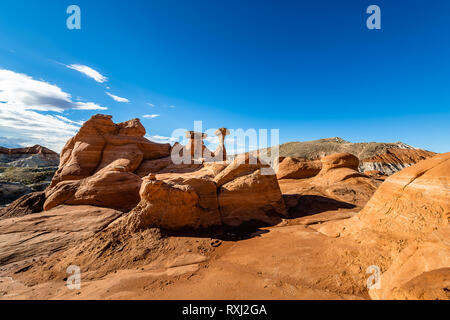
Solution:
(35, 156)
(387, 158)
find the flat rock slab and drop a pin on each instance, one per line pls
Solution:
(41, 234)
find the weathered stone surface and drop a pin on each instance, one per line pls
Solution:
(209, 194)
(251, 199)
(41, 234)
(414, 201)
(215, 167)
(241, 166)
(129, 154)
(295, 168)
(27, 204)
(176, 202)
(339, 160)
(411, 207)
(153, 166)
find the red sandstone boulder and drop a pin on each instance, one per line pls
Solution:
(176, 202)
(296, 168)
(339, 160)
(251, 199)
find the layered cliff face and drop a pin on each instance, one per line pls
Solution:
(24, 170)
(393, 160)
(36, 156)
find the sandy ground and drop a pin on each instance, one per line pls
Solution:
(288, 261)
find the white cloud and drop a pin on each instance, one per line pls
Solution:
(118, 99)
(22, 99)
(33, 128)
(151, 105)
(18, 90)
(162, 139)
(88, 71)
(172, 106)
(150, 116)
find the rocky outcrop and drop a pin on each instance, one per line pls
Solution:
(25, 205)
(250, 199)
(112, 165)
(340, 180)
(297, 168)
(214, 195)
(410, 212)
(413, 202)
(36, 156)
(100, 165)
(177, 201)
(42, 234)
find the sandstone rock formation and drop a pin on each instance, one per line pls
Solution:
(177, 201)
(215, 194)
(25, 205)
(112, 165)
(340, 179)
(99, 165)
(221, 153)
(297, 168)
(412, 207)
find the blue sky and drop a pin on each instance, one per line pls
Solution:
(309, 68)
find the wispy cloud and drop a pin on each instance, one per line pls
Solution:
(162, 139)
(18, 90)
(117, 98)
(151, 105)
(22, 99)
(150, 116)
(31, 128)
(88, 71)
